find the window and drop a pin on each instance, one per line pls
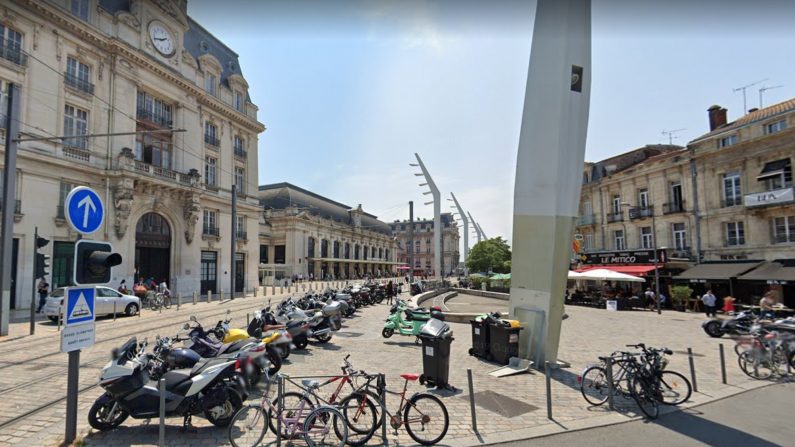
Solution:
(155, 112)
(210, 171)
(240, 227)
(209, 83)
(616, 204)
(3, 107)
(211, 134)
(588, 241)
(735, 234)
(646, 238)
(240, 180)
(778, 126)
(347, 250)
(643, 198)
(676, 195)
(777, 174)
(310, 247)
(78, 75)
(263, 254)
(75, 123)
(64, 190)
(11, 45)
(618, 240)
(336, 249)
(154, 149)
(727, 141)
(63, 255)
(80, 9)
(209, 271)
(240, 101)
(732, 193)
(680, 236)
(210, 222)
(587, 209)
(324, 248)
(784, 229)
(279, 254)
(239, 147)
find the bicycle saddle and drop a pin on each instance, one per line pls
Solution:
(410, 376)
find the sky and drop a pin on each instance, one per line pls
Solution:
(350, 90)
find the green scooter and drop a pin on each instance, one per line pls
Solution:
(405, 321)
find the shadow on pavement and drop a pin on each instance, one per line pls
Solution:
(690, 424)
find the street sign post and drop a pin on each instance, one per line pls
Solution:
(84, 210)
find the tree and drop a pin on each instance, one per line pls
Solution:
(491, 255)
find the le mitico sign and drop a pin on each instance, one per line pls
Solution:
(630, 257)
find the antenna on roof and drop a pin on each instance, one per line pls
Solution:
(670, 134)
(745, 103)
(764, 89)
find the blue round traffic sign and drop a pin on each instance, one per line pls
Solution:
(84, 210)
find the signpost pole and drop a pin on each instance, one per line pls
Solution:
(33, 303)
(71, 396)
(656, 261)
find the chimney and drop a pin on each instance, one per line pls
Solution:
(717, 117)
(752, 110)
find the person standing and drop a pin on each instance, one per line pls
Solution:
(766, 306)
(650, 298)
(43, 288)
(709, 301)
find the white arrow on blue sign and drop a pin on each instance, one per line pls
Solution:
(84, 210)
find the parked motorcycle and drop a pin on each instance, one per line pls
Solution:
(405, 320)
(739, 324)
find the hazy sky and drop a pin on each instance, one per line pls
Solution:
(349, 90)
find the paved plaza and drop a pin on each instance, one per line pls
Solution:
(33, 374)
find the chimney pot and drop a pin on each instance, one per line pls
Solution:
(717, 117)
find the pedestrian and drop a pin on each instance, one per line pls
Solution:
(650, 298)
(43, 289)
(123, 287)
(390, 292)
(766, 306)
(663, 300)
(709, 301)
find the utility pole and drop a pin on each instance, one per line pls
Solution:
(410, 247)
(463, 216)
(437, 215)
(233, 278)
(8, 203)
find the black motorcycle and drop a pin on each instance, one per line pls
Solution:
(739, 324)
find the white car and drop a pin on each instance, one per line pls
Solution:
(103, 303)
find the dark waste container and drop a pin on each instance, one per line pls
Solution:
(480, 338)
(436, 338)
(503, 342)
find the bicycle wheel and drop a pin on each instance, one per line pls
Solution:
(360, 416)
(754, 365)
(291, 403)
(593, 385)
(154, 304)
(642, 391)
(673, 388)
(248, 427)
(320, 428)
(426, 419)
(167, 301)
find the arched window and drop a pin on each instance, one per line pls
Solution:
(347, 250)
(310, 251)
(356, 251)
(336, 249)
(324, 248)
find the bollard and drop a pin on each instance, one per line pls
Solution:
(281, 290)
(382, 390)
(472, 401)
(179, 300)
(162, 434)
(722, 364)
(609, 368)
(60, 319)
(221, 295)
(114, 310)
(273, 289)
(194, 297)
(248, 321)
(548, 372)
(692, 369)
(303, 287)
(208, 296)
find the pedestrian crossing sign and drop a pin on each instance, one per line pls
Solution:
(79, 305)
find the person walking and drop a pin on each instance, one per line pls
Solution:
(43, 288)
(709, 301)
(390, 292)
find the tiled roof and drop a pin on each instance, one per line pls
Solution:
(758, 115)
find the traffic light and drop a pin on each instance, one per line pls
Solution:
(42, 265)
(93, 262)
(41, 242)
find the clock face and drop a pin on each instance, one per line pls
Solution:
(162, 39)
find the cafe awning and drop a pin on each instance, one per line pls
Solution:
(775, 271)
(626, 269)
(719, 271)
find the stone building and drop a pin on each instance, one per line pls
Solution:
(136, 69)
(305, 234)
(423, 244)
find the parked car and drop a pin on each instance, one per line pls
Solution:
(103, 303)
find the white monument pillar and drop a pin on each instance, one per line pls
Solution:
(437, 218)
(475, 226)
(466, 230)
(549, 170)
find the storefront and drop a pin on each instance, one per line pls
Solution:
(632, 262)
(721, 278)
(777, 276)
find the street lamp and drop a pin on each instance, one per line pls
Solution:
(654, 248)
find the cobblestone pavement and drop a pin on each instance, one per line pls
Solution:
(31, 374)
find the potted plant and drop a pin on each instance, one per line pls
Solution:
(679, 296)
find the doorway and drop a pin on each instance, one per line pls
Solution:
(153, 248)
(240, 271)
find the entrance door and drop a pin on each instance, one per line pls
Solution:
(153, 248)
(209, 271)
(14, 256)
(240, 271)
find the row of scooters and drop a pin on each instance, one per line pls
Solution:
(209, 371)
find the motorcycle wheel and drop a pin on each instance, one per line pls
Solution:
(300, 342)
(231, 406)
(350, 311)
(387, 332)
(97, 415)
(379, 299)
(275, 359)
(284, 350)
(713, 329)
(324, 338)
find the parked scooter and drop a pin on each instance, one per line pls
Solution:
(739, 324)
(405, 320)
(318, 325)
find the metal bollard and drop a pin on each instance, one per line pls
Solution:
(179, 300)
(281, 290)
(221, 295)
(273, 289)
(162, 434)
(280, 408)
(382, 389)
(114, 310)
(548, 373)
(472, 401)
(248, 321)
(692, 369)
(60, 318)
(610, 387)
(194, 297)
(209, 296)
(722, 364)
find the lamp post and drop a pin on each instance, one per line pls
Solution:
(656, 257)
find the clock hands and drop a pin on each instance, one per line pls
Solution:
(161, 38)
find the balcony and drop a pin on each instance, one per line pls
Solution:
(241, 235)
(588, 219)
(674, 207)
(17, 206)
(640, 212)
(210, 231)
(240, 153)
(158, 119)
(770, 198)
(78, 84)
(615, 217)
(13, 54)
(212, 140)
(75, 148)
(157, 171)
(680, 253)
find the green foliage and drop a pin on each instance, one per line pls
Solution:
(477, 281)
(491, 255)
(680, 294)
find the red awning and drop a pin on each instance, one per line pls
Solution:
(628, 269)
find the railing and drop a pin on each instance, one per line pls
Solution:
(588, 219)
(210, 231)
(782, 238)
(241, 235)
(241, 153)
(212, 140)
(640, 212)
(158, 119)
(13, 54)
(734, 241)
(735, 201)
(161, 172)
(76, 152)
(681, 253)
(80, 84)
(615, 217)
(17, 206)
(674, 207)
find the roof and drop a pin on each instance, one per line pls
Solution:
(447, 220)
(753, 117)
(627, 160)
(718, 270)
(778, 270)
(284, 195)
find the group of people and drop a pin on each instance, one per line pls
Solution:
(767, 305)
(143, 286)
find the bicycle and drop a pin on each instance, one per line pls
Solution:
(766, 355)
(250, 424)
(156, 300)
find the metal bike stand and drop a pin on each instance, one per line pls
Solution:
(279, 408)
(610, 385)
(382, 389)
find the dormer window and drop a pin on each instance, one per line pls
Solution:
(80, 9)
(210, 83)
(240, 101)
(728, 141)
(777, 126)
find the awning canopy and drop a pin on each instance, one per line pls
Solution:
(501, 276)
(778, 271)
(627, 269)
(608, 275)
(774, 168)
(718, 271)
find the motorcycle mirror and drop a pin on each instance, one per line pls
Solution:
(193, 318)
(228, 311)
(186, 327)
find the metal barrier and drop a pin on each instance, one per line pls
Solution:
(471, 402)
(692, 369)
